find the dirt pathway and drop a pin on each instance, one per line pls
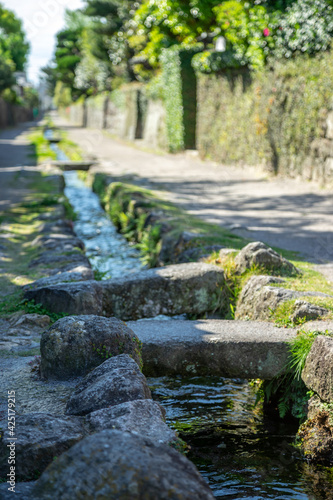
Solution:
(291, 214)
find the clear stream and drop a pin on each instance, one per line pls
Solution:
(241, 453)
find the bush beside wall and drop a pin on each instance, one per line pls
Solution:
(272, 118)
(180, 88)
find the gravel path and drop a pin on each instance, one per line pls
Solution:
(287, 213)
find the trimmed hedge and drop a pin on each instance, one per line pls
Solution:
(270, 117)
(180, 95)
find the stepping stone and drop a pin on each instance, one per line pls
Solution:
(184, 288)
(73, 165)
(121, 465)
(240, 349)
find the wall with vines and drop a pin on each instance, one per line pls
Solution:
(270, 117)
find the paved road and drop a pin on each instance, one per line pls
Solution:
(287, 213)
(15, 153)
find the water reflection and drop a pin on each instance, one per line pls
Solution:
(241, 453)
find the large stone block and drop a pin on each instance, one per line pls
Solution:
(74, 345)
(121, 465)
(242, 349)
(184, 288)
(115, 381)
(143, 416)
(84, 297)
(318, 370)
(177, 289)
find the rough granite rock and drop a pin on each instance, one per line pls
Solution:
(121, 465)
(23, 491)
(83, 297)
(258, 299)
(144, 416)
(77, 273)
(324, 326)
(115, 381)
(259, 254)
(198, 253)
(58, 241)
(60, 260)
(40, 438)
(307, 311)
(318, 370)
(62, 226)
(316, 434)
(34, 320)
(74, 345)
(192, 288)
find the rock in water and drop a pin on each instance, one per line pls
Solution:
(115, 381)
(316, 434)
(73, 346)
(143, 416)
(121, 465)
(261, 255)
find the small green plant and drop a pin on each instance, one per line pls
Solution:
(99, 275)
(16, 303)
(150, 245)
(69, 211)
(288, 387)
(102, 351)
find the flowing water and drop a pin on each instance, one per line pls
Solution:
(241, 453)
(107, 250)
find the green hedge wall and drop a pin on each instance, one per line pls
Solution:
(268, 118)
(180, 97)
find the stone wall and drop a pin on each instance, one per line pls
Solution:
(154, 134)
(125, 113)
(11, 114)
(279, 119)
(77, 113)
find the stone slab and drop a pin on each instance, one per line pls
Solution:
(73, 165)
(241, 349)
(192, 288)
(319, 326)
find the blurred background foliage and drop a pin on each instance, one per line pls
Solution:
(13, 48)
(110, 42)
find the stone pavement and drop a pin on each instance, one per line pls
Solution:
(287, 213)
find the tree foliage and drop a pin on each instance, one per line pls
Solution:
(111, 40)
(13, 47)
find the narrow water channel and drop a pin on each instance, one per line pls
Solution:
(240, 453)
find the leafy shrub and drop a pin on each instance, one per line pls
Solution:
(213, 62)
(289, 388)
(248, 29)
(306, 27)
(179, 97)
